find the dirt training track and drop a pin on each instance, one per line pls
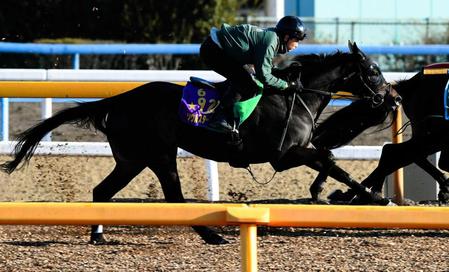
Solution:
(141, 248)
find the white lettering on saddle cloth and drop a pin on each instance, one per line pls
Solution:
(198, 105)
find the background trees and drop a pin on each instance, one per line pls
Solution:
(118, 21)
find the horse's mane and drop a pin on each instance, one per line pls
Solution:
(317, 61)
(405, 83)
(400, 83)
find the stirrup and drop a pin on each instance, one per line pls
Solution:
(235, 139)
(221, 125)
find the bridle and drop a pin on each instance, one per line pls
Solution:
(377, 97)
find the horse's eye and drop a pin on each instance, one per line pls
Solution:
(372, 68)
(373, 78)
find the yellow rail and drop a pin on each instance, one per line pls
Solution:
(67, 89)
(248, 217)
(76, 89)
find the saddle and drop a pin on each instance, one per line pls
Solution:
(441, 68)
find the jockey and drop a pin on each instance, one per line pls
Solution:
(229, 49)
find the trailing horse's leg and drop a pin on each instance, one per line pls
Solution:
(443, 163)
(122, 174)
(443, 194)
(165, 169)
(393, 157)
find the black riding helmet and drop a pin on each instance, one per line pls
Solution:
(291, 26)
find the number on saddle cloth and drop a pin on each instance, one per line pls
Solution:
(440, 69)
(200, 99)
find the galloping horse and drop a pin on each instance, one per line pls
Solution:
(144, 130)
(424, 98)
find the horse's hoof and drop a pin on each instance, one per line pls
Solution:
(217, 241)
(443, 197)
(339, 195)
(384, 202)
(391, 203)
(214, 239)
(97, 239)
(319, 201)
(209, 236)
(374, 199)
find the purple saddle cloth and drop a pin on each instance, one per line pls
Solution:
(198, 104)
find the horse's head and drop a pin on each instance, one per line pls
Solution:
(366, 77)
(352, 72)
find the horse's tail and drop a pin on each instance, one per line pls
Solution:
(85, 115)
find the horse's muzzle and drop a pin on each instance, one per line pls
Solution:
(388, 98)
(393, 100)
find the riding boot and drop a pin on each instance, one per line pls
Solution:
(223, 120)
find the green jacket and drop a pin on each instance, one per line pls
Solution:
(248, 44)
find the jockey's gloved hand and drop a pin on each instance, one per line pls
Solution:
(295, 86)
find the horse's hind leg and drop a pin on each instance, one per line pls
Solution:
(441, 179)
(167, 173)
(122, 174)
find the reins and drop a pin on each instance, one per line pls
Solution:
(248, 168)
(284, 132)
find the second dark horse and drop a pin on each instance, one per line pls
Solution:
(144, 130)
(423, 103)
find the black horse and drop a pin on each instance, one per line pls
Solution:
(144, 130)
(422, 100)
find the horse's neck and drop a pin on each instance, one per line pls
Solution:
(405, 88)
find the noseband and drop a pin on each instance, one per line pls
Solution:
(385, 91)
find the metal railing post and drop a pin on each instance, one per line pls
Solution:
(398, 176)
(47, 112)
(248, 247)
(76, 61)
(5, 119)
(213, 190)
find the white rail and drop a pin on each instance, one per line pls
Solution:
(103, 149)
(128, 75)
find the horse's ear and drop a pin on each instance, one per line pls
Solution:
(354, 49)
(350, 46)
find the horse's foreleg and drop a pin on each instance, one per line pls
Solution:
(122, 174)
(318, 159)
(323, 172)
(356, 188)
(167, 173)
